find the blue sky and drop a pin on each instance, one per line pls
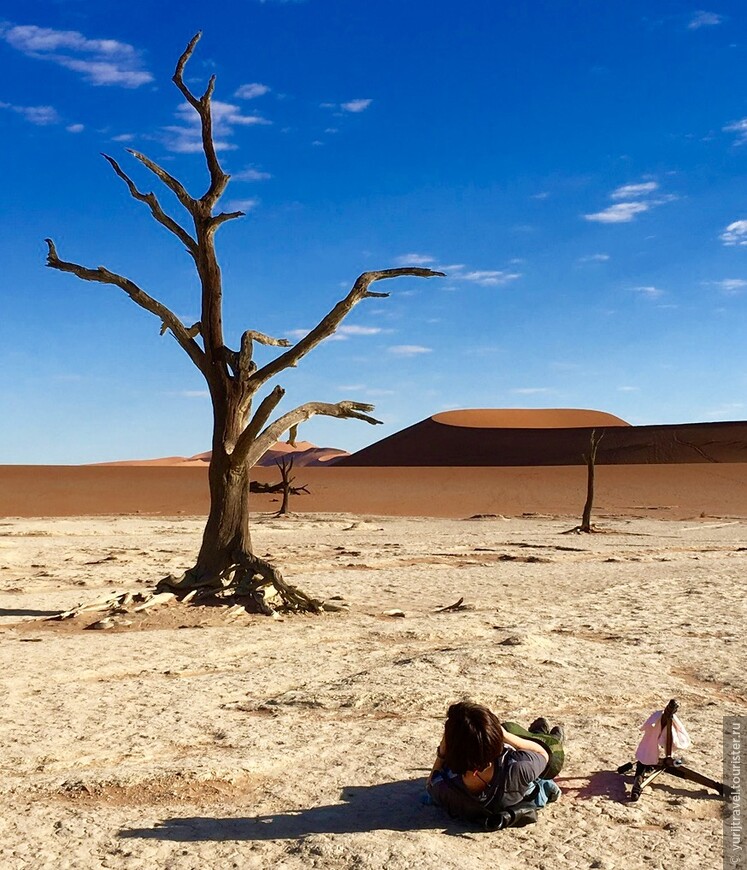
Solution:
(579, 169)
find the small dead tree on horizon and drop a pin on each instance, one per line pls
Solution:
(242, 433)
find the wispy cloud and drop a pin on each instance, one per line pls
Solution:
(628, 389)
(633, 191)
(98, 61)
(356, 106)
(245, 205)
(352, 106)
(729, 286)
(630, 200)
(414, 260)
(740, 128)
(531, 391)
(342, 334)
(704, 19)
(251, 91)
(186, 137)
(359, 330)
(649, 291)
(594, 258)
(409, 349)
(41, 116)
(75, 128)
(251, 174)
(488, 277)
(621, 213)
(735, 234)
(459, 272)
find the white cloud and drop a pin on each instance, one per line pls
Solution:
(735, 234)
(251, 91)
(75, 128)
(356, 105)
(594, 258)
(649, 291)
(489, 278)
(409, 349)
(621, 213)
(627, 389)
(186, 137)
(99, 61)
(251, 174)
(704, 19)
(245, 205)
(359, 330)
(632, 191)
(543, 194)
(414, 260)
(41, 116)
(730, 286)
(738, 127)
(123, 137)
(531, 391)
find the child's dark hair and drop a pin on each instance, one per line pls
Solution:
(474, 737)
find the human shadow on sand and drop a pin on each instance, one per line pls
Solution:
(393, 806)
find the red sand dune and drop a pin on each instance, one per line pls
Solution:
(489, 437)
(527, 418)
(304, 454)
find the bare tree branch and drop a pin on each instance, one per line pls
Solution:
(250, 451)
(329, 324)
(218, 178)
(139, 296)
(175, 186)
(224, 217)
(152, 202)
(260, 418)
(178, 77)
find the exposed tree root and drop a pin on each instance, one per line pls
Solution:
(249, 585)
(586, 530)
(249, 580)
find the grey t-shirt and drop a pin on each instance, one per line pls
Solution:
(515, 772)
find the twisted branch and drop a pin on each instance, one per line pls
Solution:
(329, 324)
(154, 205)
(175, 186)
(139, 296)
(201, 105)
(250, 449)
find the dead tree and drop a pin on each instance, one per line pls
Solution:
(242, 433)
(590, 459)
(285, 464)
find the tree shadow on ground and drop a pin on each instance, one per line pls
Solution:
(23, 612)
(393, 806)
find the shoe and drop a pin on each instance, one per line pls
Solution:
(540, 726)
(557, 731)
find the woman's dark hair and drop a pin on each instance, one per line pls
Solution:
(474, 738)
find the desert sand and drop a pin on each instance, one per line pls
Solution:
(192, 740)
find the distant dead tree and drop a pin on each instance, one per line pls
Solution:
(241, 433)
(285, 464)
(590, 459)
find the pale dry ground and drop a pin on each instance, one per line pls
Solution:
(304, 743)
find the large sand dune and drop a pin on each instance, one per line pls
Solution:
(550, 437)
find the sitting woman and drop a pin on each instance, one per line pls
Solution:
(484, 773)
